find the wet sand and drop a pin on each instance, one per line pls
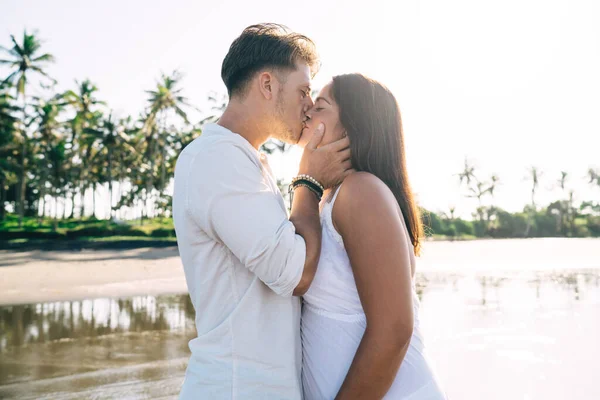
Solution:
(524, 309)
(42, 276)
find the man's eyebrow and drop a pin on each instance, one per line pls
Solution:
(322, 98)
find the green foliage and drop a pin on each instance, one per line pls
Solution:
(32, 228)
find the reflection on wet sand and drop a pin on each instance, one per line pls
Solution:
(45, 322)
(137, 347)
(125, 348)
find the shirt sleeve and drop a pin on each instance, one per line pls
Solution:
(234, 204)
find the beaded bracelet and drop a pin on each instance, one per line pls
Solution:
(308, 178)
(307, 184)
(314, 188)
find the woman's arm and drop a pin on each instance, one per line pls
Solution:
(366, 215)
(327, 164)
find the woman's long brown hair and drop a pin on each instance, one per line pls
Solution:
(371, 116)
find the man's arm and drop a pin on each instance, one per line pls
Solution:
(305, 217)
(230, 199)
(232, 202)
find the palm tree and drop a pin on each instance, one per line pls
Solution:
(562, 181)
(475, 188)
(478, 192)
(112, 140)
(8, 110)
(493, 184)
(8, 164)
(468, 174)
(85, 103)
(571, 212)
(164, 100)
(25, 58)
(565, 203)
(57, 155)
(47, 137)
(535, 175)
(452, 213)
(491, 189)
(594, 177)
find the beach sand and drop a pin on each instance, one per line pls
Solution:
(40, 276)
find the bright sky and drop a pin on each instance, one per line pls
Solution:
(509, 84)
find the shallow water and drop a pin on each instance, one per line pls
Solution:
(491, 333)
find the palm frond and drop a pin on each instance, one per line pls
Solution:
(9, 78)
(16, 47)
(45, 57)
(40, 71)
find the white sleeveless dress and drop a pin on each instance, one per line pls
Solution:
(333, 323)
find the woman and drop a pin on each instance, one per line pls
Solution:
(360, 326)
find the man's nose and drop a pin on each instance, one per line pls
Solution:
(309, 103)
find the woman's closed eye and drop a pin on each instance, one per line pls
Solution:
(317, 109)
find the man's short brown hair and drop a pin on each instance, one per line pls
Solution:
(265, 46)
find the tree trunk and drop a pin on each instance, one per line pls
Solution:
(43, 201)
(94, 200)
(531, 213)
(110, 185)
(22, 177)
(55, 220)
(2, 200)
(529, 223)
(44, 208)
(163, 158)
(120, 193)
(144, 199)
(163, 170)
(81, 201)
(22, 182)
(64, 205)
(72, 198)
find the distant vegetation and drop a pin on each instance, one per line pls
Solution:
(59, 146)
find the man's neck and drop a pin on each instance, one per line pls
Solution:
(242, 120)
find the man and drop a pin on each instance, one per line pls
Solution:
(243, 258)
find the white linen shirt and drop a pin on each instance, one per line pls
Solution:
(242, 259)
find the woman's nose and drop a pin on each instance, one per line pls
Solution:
(308, 113)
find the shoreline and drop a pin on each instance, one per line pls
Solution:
(129, 244)
(54, 274)
(78, 245)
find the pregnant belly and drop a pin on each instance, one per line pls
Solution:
(328, 347)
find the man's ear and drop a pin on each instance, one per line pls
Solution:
(267, 84)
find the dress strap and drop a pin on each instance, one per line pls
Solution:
(337, 191)
(327, 218)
